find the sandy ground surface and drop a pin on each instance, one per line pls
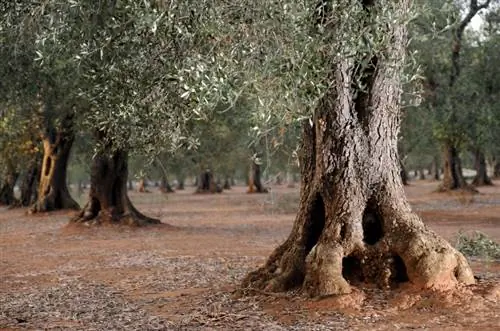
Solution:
(183, 276)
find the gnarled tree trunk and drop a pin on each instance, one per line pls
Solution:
(453, 178)
(354, 222)
(254, 179)
(481, 178)
(53, 193)
(108, 200)
(29, 193)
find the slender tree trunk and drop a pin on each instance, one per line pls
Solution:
(108, 200)
(453, 178)
(421, 174)
(29, 193)
(354, 222)
(255, 182)
(481, 178)
(7, 186)
(53, 193)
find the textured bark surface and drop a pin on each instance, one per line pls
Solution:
(254, 179)
(53, 193)
(108, 200)
(29, 193)
(481, 178)
(354, 223)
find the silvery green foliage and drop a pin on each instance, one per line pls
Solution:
(140, 70)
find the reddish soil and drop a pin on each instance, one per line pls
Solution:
(182, 276)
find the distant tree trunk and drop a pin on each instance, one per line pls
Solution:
(435, 168)
(421, 174)
(453, 178)
(180, 183)
(290, 180)
(7, 186)
(481, 178)
(279, 180)
(53, 193)
(206, 183)
(496, 169)
(29, 193)
(254, 181)
(165, 186)
(403, 173)
(130, 185)
(142, 186)
(227, 183)
(108, 200)
(354, 224)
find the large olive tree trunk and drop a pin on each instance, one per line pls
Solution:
(481, 178)
(354, 222)
(108, 200)
(53, 193)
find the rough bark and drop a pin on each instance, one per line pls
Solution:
(108, 201)
(53, 193)
(453, 178)
(254, 179)
(481, 178)
(29, 193)
(8, 183)
(354, 222)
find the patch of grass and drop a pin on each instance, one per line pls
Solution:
(477, 244)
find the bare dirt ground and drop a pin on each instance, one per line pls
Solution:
(183, 276)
